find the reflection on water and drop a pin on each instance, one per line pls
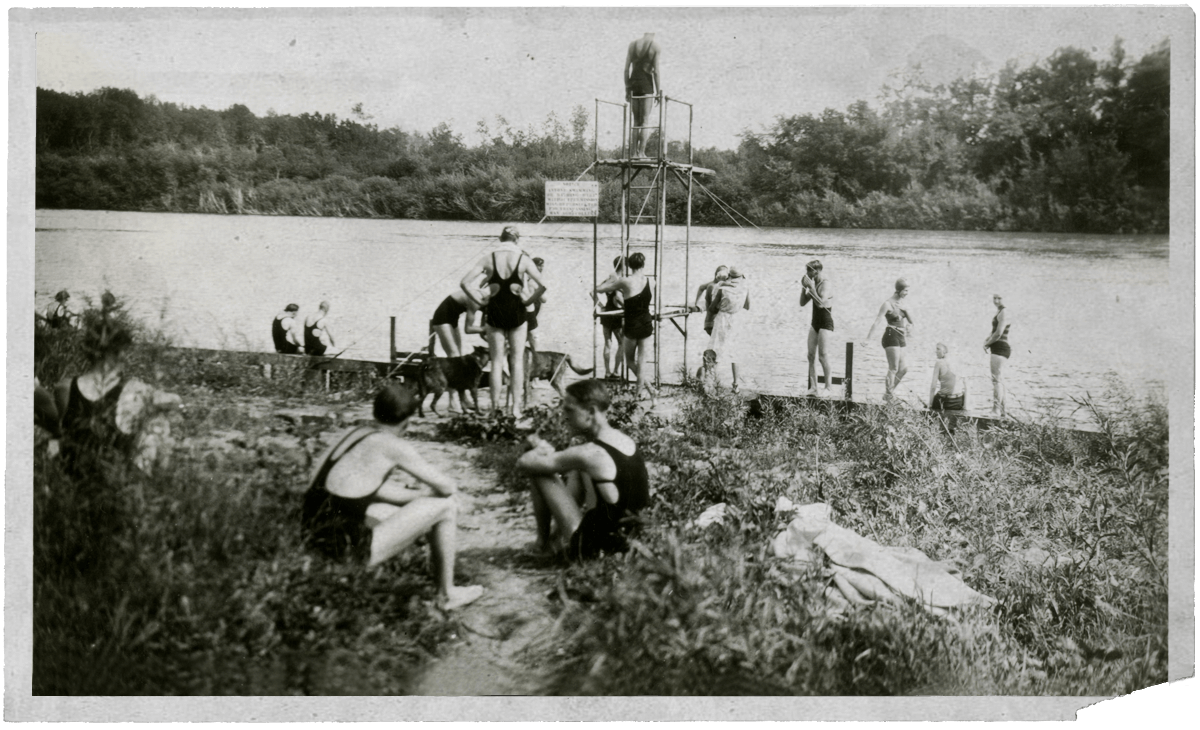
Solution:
(1081, 307)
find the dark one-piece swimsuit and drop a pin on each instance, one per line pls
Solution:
(448, 312)
(90, 436)
(1000, 347)
(893, 336)
(822, 317)
(638, 322)
(312, 343)
(610, 305)
(279, 335)
(505, 310)
(601, 529)
(332, 524)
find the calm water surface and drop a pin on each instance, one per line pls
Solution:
(1082, 308)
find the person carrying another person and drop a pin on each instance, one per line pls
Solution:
(611, 323)
(706, 290)
(643, 84)
(947, 392)
(533, 304)
(317, 337)
(815, 289)
(284, 329)
(895, 336)
(505, 270)
(589, 492)
(731, 297)
(353, 508)
(638, 324)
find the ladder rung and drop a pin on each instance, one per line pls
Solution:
(645, 126)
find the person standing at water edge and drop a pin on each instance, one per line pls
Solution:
(895, 336)
(706, 290)
(533, 304)
(591, 490)
(283, 331)
(505, 270)
(611, 324)
(815, 289)
(731, 297)
(947, 392)
(352, 506)
(997, 346)
(638, 325)
(642, 79)
(317, 337)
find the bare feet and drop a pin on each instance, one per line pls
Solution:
(459, 596)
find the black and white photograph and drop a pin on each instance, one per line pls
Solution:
(589, 359)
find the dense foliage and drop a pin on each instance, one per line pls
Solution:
(1067, 144)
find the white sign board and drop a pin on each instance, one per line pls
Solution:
(573, 199)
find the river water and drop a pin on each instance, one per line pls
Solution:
(1083, 308)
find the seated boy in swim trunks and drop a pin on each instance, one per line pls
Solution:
(947, 392)
(591, 491)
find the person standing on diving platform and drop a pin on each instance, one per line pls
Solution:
(642, 79)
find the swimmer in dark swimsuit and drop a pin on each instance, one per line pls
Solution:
(642, 79)
(590, 492)
(504, 311)
(611, 323)
(352, 507)
(899, 325)
(638, 325)
(59, 314)
(997, 346)
(283, 331)
(816, 290)
(317, 337)
(533, 306)
(445, 321)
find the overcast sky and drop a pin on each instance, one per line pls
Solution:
(415, 68)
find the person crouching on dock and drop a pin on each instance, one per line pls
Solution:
(284, 329)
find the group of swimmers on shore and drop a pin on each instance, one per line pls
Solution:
(948, 391)
(315, 338)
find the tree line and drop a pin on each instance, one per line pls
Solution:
(1070, 143)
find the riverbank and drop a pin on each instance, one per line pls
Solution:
(212, 593)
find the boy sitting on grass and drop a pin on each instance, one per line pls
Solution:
(352, 507)
(591, 490)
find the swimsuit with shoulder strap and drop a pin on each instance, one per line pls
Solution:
(638, 322)
(89, 431)
(279, 335)
(333, 524)
(1000, 346)
(601, 529)
(822, 317)
(641, 76)
(894, 335)
(505, 310)
(312, 343)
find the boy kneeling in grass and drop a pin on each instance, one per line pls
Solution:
(352, 507)
(592, 490)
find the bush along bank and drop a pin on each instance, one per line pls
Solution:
(1066, 534)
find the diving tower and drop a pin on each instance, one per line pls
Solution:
(643, 215)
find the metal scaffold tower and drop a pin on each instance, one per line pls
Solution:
(643, 213)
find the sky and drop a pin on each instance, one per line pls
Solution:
(415, 68)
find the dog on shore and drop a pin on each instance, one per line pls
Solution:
(545, 365)
(460, 374)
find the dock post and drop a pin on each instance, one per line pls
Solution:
(392, 352)
(849, 379)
